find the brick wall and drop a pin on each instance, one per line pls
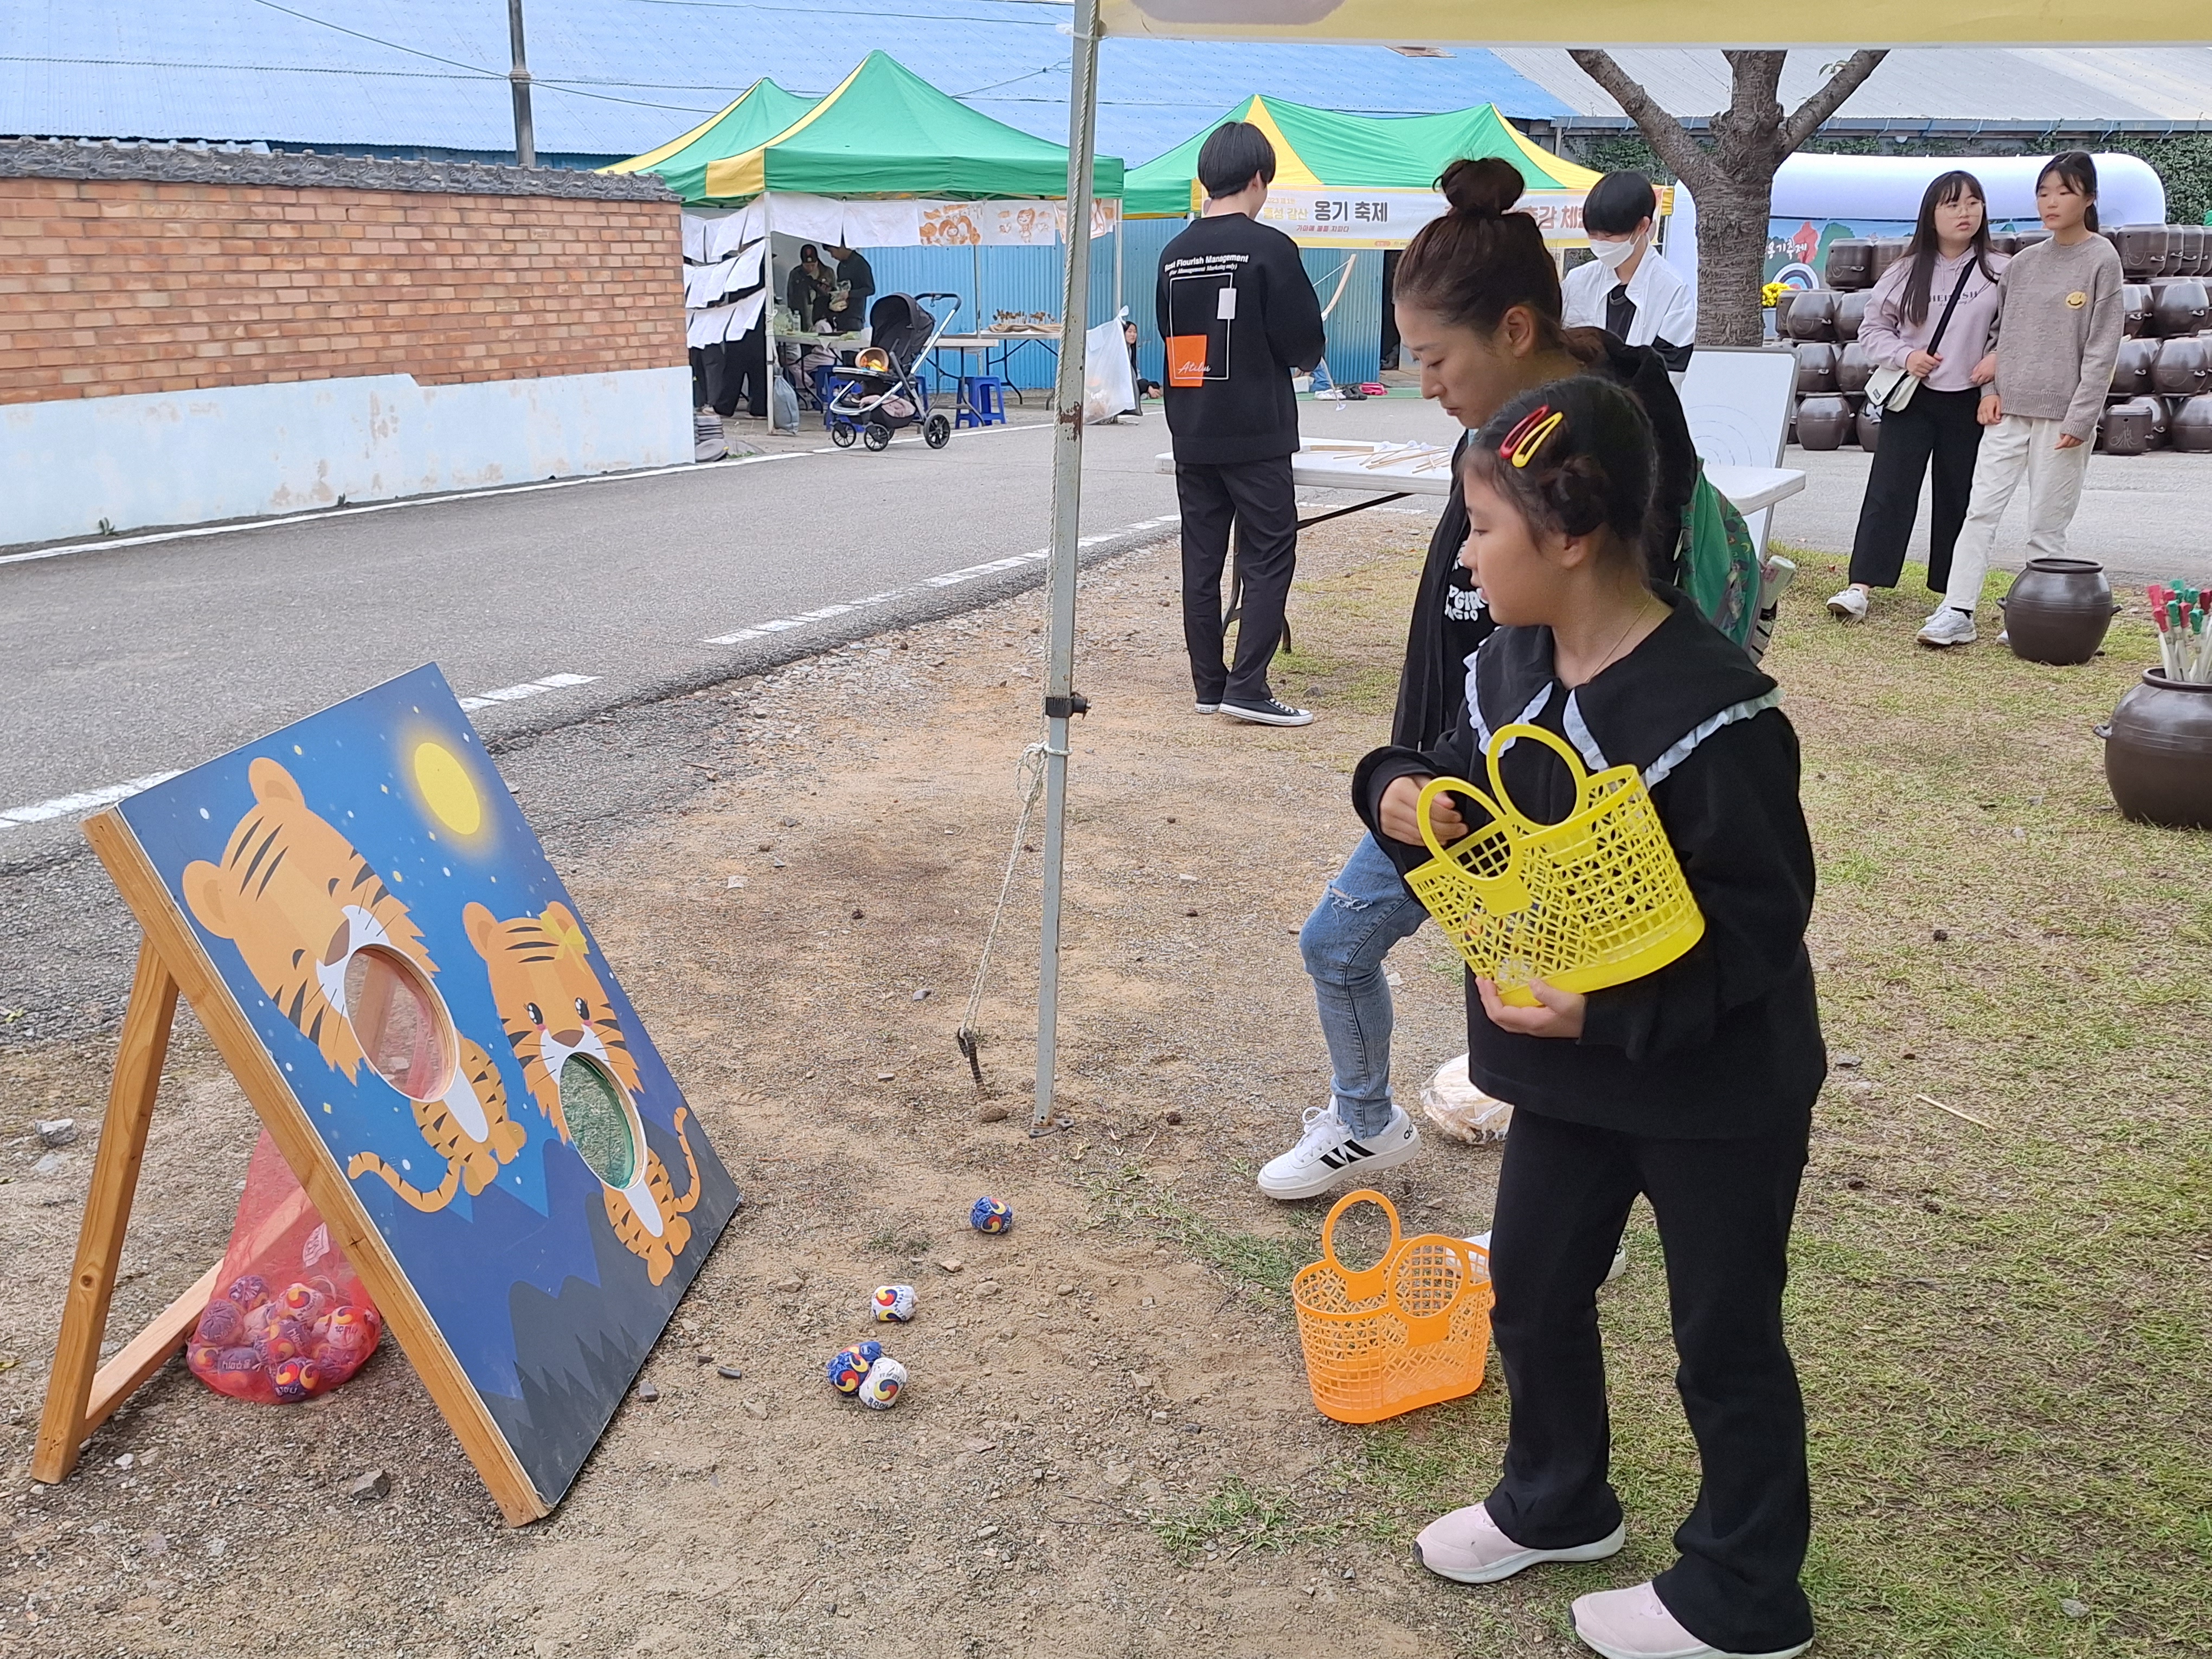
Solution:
(232, 271)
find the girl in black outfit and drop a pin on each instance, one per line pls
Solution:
(1693, 1086)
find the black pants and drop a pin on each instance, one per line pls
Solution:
(1259, 500)
(1724, 1208)
(744, 373)
(1935, 426)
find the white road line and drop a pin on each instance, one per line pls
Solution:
(321, 513)
(527, 689)
(90, 800)
(949, 579)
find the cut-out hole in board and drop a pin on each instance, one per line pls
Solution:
(599, 1121)
(401, 1026)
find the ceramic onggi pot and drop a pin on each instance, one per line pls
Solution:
(1868, 426)
(2157, 753)
(2135, 309)
(2132, 427)
(2177, 304)
(2131, 370)
(2192, 428)
(1849, 263)
(1813, 315)
(1887, 251)
(2024, 239)
(1851, 312)
(1853, 368)
(2181, 367)
(1816, 366)
(2058, 609)
(1821, 420)
(2141, 249)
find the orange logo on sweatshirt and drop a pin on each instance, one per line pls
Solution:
(1186, 360)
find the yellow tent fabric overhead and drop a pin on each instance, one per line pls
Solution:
(1669, 22)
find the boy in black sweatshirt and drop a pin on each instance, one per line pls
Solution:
(1240, 319)
(1692, 1086)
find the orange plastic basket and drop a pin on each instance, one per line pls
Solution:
(1410, 1330)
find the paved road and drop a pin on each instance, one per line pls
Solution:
(126, 661)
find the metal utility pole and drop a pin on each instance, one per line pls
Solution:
(518, 78)
(1060, 702)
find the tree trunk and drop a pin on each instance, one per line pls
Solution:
(1732, 179)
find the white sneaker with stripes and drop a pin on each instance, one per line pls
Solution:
(1328, 1154)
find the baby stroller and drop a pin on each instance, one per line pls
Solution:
(884, 389)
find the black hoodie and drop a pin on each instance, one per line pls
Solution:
(1449, 619)
(1725, 1041)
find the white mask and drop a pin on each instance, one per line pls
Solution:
(1614, 255)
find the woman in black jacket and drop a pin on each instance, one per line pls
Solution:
(1477, 301)
(1692, 1086)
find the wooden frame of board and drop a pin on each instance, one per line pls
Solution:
(82, 1393)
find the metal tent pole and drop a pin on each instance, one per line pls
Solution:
(1060, 702)
(518, 78)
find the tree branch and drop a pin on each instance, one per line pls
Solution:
(1691, 162)
(1824, 103)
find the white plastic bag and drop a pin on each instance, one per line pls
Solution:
(1109, 388)
(782, 404)
(1460, 1110)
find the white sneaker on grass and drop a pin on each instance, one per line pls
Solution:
(1206, 708)
(1947, 627)
(1328, 1153)
(1851, 605)
(1482, 1242)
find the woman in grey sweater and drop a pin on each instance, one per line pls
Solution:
(2058, 335)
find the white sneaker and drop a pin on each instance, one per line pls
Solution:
(1482, 1242)
(1851, 605)
(1328, 1153)
(1273, 712)
(1948, 628)
(1206, 708)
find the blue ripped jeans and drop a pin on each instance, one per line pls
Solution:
(1365, 912)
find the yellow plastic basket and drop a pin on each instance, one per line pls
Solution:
(1597, 899)
(1410, 1330)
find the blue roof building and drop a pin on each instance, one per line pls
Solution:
(616, 77)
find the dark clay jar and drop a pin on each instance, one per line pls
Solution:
(2187, 251)
(1816, 366)
(1868, 426)
(1813, 315)
(1851, 312)
(2141, 249)
(2131, 427)
(2004, 242)
(1821, 420)
(2157, 753)
(1853, 368)
(2177, 304)
(1887, 251)
(2192, 425)
(2135, 309)
(1849, 263)
(2058, 609)
(2181, 367)
(2131, 370)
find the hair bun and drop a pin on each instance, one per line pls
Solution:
(1482, 187)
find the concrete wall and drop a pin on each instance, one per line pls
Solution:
(237, 452)
(192, 336)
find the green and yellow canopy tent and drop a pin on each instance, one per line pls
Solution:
(883, 133)
(758, 114)
(1368, 181)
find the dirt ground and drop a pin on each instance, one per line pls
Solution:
(801, 940)
(2002, 1272)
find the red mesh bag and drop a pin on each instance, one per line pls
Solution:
(289, 1321)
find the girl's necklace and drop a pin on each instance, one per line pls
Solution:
(1606, 661)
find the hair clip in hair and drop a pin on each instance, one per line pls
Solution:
(1528, 436)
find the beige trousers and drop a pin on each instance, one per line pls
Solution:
(2017, 448)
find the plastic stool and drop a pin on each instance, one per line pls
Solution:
(982, 402)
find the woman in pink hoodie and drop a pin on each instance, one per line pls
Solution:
(1931, 317)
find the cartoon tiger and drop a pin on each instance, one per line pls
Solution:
(556, 1014)
(470, 1164)
(300, 902)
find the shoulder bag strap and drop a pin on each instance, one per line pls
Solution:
(1950, 306)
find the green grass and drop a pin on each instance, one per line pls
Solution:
(1235, 1519)
(2002, 1331)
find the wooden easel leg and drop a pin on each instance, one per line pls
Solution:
(143, 1046)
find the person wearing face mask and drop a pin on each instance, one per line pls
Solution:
(1628, 290)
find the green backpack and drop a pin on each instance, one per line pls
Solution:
(1718, 561)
